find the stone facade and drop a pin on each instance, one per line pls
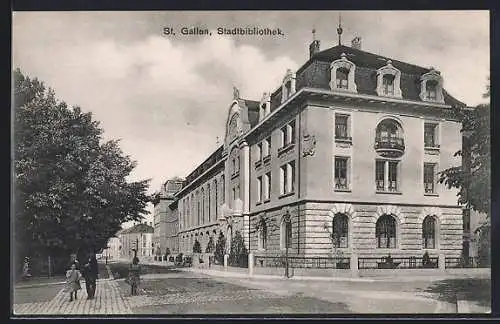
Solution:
(318, 147)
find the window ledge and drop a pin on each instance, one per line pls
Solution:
(347, 140)
(431, 194)
(286, 195)
(234, 175)
(258, 203)
(267, 200)
(342, 190)
(389, 192)
(258, 164)
(266, 159)
(286, 148)
(432, 148)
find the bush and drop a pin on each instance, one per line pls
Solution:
(238, 255)
(220, 246)
(171, 258)
(178, 258)
(167, 252)
(196, 246)
(210, 245)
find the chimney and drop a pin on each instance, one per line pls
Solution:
(313, 48)
(356, 43)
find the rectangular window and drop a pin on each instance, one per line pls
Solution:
(288, 134)
(386, 175)
(393, 176)
(265, 147)
(283, 136)
(287, 178)
(258, 152)
(267, 186)
(341, 126)
(291, 177)
(429, 181)
(234, 194)
(341, 173)
(259, 189)
(380, 175)
(282, 179)
(291, 132)
(288, 89)
(430, 138)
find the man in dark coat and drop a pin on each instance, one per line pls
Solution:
(91, 272)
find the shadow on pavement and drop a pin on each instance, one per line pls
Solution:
(472, 289)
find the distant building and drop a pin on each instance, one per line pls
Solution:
(140, 235)
(166, 224)
(112, 252)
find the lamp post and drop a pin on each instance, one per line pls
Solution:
(286, 220)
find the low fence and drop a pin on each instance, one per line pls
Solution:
(398, 263)
(464, 262)
(303, 262)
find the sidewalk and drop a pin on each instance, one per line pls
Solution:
(108, 300)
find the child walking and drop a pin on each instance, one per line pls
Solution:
(73, 277)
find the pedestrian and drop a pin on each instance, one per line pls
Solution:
(90, 273)
(134, 275)
(73, 277)
(26, 268)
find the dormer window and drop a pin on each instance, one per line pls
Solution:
(432, 87)
(342, 75)
(265, 106)
(388, 85)
(388, 81)
(288, 85)
(431, 90)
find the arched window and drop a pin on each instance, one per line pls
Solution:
(431, 90)
(202, 206)
(388, 84)
(223, 191)
(385, 231)
(340, 230)
(262, 236)
(429, 232)
(389, 129)
(198, 208)
(216, 198)
(209, 202)
(341, 76)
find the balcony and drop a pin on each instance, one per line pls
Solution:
(390, 146)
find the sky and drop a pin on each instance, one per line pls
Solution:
(167, 96)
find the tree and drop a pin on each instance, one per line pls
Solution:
(238, 256)
(196, 246)
(70, 186)
(473, 177)
(220, 246)
(210, 245)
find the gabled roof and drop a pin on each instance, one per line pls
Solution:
(139, 228)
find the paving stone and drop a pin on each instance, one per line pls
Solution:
(108, 300)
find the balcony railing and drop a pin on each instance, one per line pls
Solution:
(389, 146)
(388, 142)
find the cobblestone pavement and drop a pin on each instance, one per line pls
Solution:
(201, 295)
(108, 300)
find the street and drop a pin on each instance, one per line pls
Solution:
(175, 292)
